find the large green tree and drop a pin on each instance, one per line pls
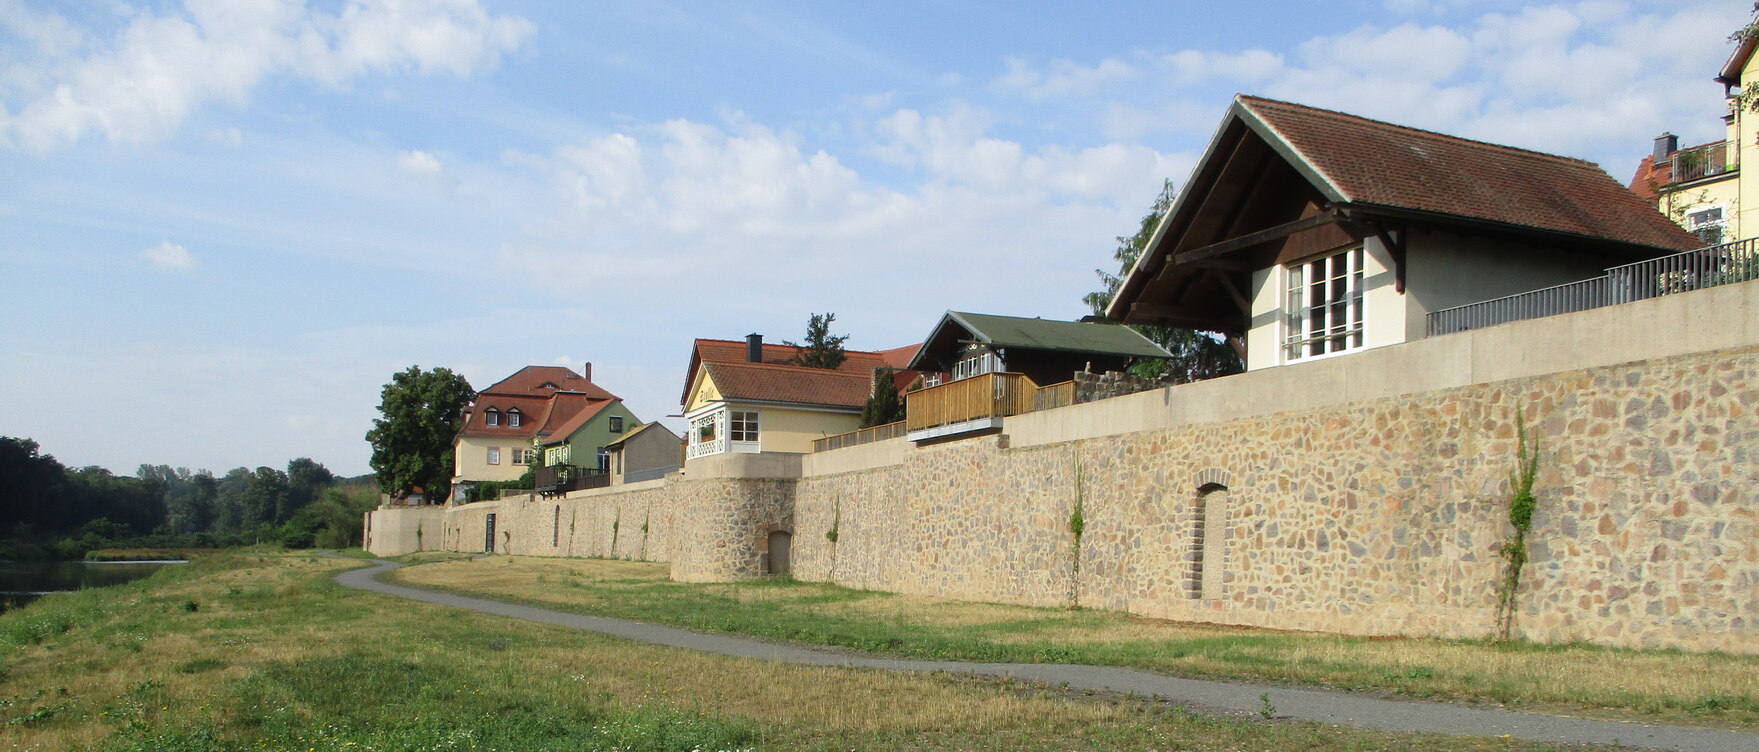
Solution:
(1196, 355)
(412, 442)
(822, 349)
(885, 405)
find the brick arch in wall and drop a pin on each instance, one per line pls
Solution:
(1210, 508)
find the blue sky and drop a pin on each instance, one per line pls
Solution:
(225, 223)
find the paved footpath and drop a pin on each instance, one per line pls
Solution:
(1324, 706)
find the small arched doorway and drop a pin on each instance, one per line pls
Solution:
(778, 560)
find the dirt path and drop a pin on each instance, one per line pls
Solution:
(1324, 706)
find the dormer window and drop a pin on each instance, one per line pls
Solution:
(492, 418)
(513, 418)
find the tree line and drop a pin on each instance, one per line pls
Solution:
(54, 511)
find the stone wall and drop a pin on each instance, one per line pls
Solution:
(1382, 517)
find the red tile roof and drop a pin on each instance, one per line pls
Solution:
(530, 381)
(859, 362)
(1371, 163)
(1650, 178)
(765, 382)
(565, 427)
(532, 414)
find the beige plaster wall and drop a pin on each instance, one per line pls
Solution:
(470, 458)
(395, 531)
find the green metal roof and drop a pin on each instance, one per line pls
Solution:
(1041, 334)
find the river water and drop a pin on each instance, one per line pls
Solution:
(24, 581)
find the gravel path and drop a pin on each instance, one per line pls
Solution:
(1320, 705)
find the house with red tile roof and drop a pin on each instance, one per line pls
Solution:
(748, 397)
(1305, 233)
(547, 417)
(1701, 187)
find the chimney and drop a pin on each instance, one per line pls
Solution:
(754, 348)
(1665, 145)
(586, 370)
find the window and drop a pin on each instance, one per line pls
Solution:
(492, 418)
(513, 418)
(930, 380)
(494, 455)
(523, 456)
(604, 460)
(1706, 222)
(616, 424)
(1324, 306)
(744, 426)
(705, 428)
(976, 360)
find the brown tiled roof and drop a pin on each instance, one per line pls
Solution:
(566, 427)
(859, 362)
(533, 412)
(765, 382)
(1649, 178)
(1371, 163)
(530, 380)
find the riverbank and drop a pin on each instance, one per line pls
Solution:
(266, 652)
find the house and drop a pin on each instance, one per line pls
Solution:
(1701, 187)
(981, 368)
(547, 409)
(1304, 233)
(644, 452)
(963, 345)
(749, 397)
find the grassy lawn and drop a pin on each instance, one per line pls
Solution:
(1650, 686)
(264, 651)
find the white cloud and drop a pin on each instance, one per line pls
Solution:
(227, 136)
(141, 84)
(168, 255)
(1064, 78)
(418, 163)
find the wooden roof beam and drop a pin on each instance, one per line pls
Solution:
(1248, 240)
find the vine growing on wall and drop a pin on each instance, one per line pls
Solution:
(1077, 525)
(1521, 506)
(832, 534)
(646, 514)
(616, 522)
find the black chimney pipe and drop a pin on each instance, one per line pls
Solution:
(754, 348)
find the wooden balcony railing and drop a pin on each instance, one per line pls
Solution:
(863, 436)
(992, 395)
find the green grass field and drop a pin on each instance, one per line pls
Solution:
(264, 651)
(1650, 686)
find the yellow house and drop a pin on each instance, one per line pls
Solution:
(1701, 187)
(748, 397)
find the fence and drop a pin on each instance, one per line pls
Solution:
(1681, 272)
(1705, 161)
(856, 438)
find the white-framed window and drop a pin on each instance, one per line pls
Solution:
(557, 455)
(1323, 305)
(513, 418)
(492, 418)
(604, 460)
(743, 425)
(494, 455)
(931, 380)
(976, 360)
(522, 456)
(1707, 222)
(616, 424)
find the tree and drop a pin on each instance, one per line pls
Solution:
(884, 405)
(1196, 355)
(412, 443)
(822, 349)
(305, 478)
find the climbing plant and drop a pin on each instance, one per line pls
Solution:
(832, 534)
(1077, 524)
(616, 522)
(1521, 505)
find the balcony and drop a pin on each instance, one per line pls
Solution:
(556, 480)
(1682, 272)
(978, 403)
(1707, 161)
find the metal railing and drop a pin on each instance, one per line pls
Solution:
(859, 437)
(555, 480)
(1680, 272)
(1707, 161)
